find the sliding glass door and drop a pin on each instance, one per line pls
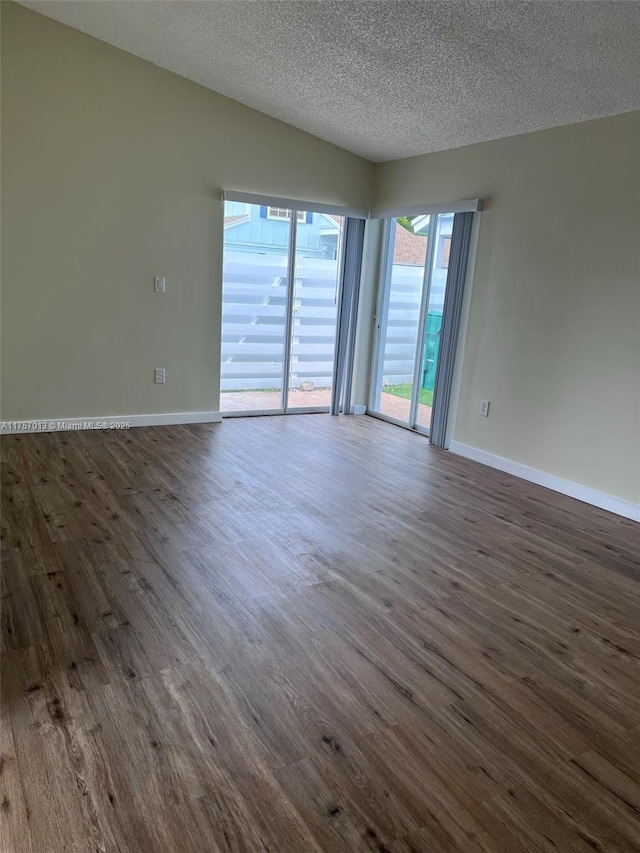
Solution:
(255, 293)
(399, 323)
(279, 309)
(312, 336)
(434, 292)
(410, 318)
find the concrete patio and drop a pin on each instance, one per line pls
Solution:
(259, 401)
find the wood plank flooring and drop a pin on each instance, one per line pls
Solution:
(308, 633)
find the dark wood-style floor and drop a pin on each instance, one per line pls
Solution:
(310, 634)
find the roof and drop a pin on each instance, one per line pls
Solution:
(230, 221)
(409, 248)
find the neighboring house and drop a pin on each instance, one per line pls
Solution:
(409, 248)
(262, 228)
(412, 248)
(445, 228)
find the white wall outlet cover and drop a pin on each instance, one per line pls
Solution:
(159, 284)
(484, 408)
(159, 376)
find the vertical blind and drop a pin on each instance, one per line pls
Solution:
(352, 248)
(451, 315)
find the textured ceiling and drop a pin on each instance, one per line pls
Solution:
(389, 79)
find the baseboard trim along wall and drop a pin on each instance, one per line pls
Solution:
(358, 410)
(108, 422)
(556, 484)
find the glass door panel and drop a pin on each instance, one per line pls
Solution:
(314, 310)
(410, 311)
(255, 294)
(442, 226)
(399, 322)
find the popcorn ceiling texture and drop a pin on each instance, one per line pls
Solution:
(389, 79)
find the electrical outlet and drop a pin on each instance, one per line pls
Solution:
(159, 376)
(159, 284)
(484, 408)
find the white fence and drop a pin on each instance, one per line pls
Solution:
(254, 324)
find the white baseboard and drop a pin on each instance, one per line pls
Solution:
(358, 410)
(108, 422)
(549, 481)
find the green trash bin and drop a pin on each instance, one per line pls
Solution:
(431, 349)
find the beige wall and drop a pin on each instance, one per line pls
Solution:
(112, 170)
(553, 336)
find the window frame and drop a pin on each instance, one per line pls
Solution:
(301, 215)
